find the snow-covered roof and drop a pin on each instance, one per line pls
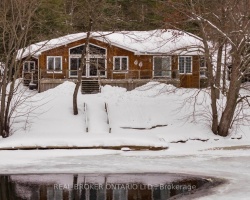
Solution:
(140, 42)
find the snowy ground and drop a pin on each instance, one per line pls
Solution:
(230, 165)
(53, 124)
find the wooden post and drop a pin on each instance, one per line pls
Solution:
(107, 112)
(86, 116)
(39, 79)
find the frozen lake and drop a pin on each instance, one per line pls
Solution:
(159, 186)
(230, 165)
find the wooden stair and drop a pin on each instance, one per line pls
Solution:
(90, 86)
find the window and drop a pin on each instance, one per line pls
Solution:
(203, 68)
(54, 63)
(162, 66)
(120, 63)
(29, 66)
(185, 64)
(94, 50)
(95, 60)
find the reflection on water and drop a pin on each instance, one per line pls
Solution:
(96, 186)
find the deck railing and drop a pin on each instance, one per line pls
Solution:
(104, 74)
(138, 74)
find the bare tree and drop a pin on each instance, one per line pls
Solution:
(222, 22)
(93, 16)
(16, 23)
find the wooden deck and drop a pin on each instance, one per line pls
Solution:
(129, 84)
(49, 83)
(129, 80)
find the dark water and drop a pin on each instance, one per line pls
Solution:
(97, 186)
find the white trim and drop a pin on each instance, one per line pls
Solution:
(170, 65)
(121, 70)
(55, 72)
(185, 65)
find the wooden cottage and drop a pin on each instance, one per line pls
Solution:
(126, 59)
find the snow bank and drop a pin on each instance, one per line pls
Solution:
(107, 89)
(153, 89)
(152, 115)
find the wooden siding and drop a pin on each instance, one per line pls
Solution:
(46, 84)
(186, 80)
(192, 80)
(112, 51)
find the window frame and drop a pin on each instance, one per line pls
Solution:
(170, 63)
(54, 71)
(203, 67)
(120, 70)
(29, 69)
(185, 70)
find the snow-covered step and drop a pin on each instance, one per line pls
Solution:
(97, 117)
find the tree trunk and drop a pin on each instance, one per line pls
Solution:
(224, 71)
(228, 113)
(82, 63)
(232, 97)
(78, 84)
(218, 69)
(3, 103)
(210, 80)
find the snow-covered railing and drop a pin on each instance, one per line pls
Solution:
(108, 119)
(86, 117)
